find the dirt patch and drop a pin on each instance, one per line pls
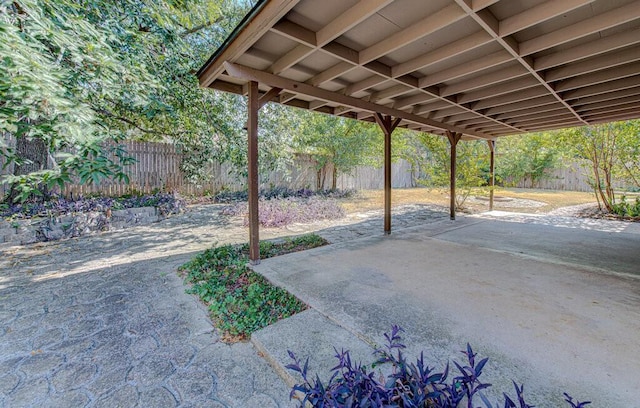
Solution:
(513, 199)
(495, 198)
(504, 202)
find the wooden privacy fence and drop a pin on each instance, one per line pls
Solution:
(157, 167)
(570, 178)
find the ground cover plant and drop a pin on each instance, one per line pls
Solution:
(625, 208)
(407, 385)
(239, 300)
(166, 203)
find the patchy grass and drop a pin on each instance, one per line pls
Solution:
(239, 300)
(367, 200)
(552, 198)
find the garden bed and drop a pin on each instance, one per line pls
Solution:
(239, 300)
(39, 229)
(595, 212)
(60, 218)
(280, 207)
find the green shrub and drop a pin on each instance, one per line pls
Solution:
(241, 301)
(626, 209)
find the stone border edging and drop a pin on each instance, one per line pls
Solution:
(33, 230)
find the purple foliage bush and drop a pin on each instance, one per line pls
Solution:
(165, 202)
(408, 384)
(280, 212)
(281, 192)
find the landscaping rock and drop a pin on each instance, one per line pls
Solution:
(74, 225)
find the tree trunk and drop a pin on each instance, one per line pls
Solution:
(608, 187)
(334, 180)
(34, 154)
(320, 178)
(598, 186)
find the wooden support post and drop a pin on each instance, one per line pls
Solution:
(388, 126)
(253, 106)
(492, 171)
(454, 138)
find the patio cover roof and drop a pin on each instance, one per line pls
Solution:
(483, 68)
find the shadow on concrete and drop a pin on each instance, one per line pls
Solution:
(553, 307)
(182, 235)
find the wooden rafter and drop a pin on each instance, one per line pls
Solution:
(603, 62)
(592, 25)
(513, 67)
(272, 12)
(382, 73)
(324, 36)
(487, 21)
(450, 50)
(430, 24)
(250, 74)
(481, 81)
(535, 15)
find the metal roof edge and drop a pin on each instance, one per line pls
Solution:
(236, 31)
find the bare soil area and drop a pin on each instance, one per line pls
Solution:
(506, 199)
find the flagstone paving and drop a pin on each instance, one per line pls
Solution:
(104, 320)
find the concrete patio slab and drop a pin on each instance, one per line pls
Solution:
(552, 321)
(606, 245)
(312, 336)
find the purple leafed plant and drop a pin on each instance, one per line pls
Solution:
(285, 211)
(281, 192)
(576, 404)
(408, 384)
(165, 202)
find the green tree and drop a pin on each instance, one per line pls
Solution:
(276, 128)
(527, 157)
(79, 76)
(52, 61)
(337, 143)
(612, 153)
(472, 164)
